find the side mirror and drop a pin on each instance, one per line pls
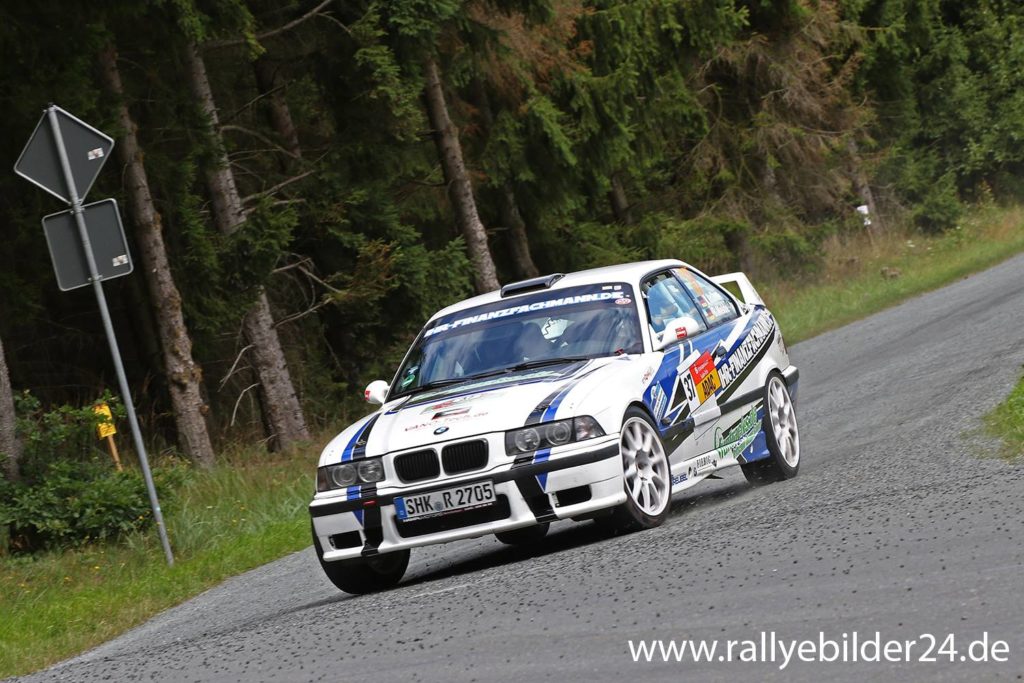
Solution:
(676, 330)
(376, 392)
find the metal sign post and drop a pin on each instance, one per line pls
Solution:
(36, 165)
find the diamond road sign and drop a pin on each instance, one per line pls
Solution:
(106, 235)
(87, 150)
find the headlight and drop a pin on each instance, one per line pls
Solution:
(349, 474)
(371, 471)
(525, 440)
(550, 434)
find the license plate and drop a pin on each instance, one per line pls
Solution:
(442, 502)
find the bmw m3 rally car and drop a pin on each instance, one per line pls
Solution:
(597, 394)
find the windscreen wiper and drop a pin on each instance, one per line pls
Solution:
(438, 383)
(528, 365)
(543, 362)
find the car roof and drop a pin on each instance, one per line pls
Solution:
(625, 272)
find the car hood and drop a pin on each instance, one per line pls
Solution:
(477, 407)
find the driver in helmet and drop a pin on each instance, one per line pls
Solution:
(662, 307)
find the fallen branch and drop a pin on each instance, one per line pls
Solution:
(275, 188)
(239, 401)
(234, 365)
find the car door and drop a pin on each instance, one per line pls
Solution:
(726, 422)
(672, 394)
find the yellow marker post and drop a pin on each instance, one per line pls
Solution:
(106, 430)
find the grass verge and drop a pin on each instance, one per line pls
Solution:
(1006, 422)
(252, 509)
(860, 277)
(237, 517)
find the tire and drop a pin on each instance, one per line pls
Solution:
(645, 476)
(524, 536)
(781, 435)
(364, 574)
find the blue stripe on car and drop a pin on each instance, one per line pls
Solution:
(352, 492)
(355, 449)
(549, 414)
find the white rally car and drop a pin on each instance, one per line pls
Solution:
(594, 395)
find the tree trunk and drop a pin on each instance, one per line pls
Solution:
(280, 404)
(511, 218)
(184, 376)
(460, 189)
(620, 203)
(860, 181)
(280, 114)
(10, 445)
(518, 241)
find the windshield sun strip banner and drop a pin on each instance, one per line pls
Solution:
(620, 293)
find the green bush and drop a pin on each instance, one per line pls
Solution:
(61, 433)
(69, 493)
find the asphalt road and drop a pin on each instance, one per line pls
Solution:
(895, 524)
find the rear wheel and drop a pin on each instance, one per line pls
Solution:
(364, 574)
(781, 436)
(646, 476)
(525, 535)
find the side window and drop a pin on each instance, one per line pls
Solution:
(666, 300)
(716, 306)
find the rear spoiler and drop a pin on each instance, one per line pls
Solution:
(748, 294)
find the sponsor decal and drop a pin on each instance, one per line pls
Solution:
(692, 281)
(450, 419)
(681, 333)
(658, 402)
(647, 375)
(678, 479)
(623, 302)
(703, 463)
(701, 380)
(721, 309)
(410, 376)
(457, 402)
(741, 357)
(740, 436)
(452, 412)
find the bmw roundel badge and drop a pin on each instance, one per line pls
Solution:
(440, 430)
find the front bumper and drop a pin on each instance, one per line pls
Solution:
(577, 480)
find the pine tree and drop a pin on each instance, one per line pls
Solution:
(183, 374)
(280, 403)
(460, 188)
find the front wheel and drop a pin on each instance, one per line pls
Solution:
(781, 436)
(645, 476)
(364, 574)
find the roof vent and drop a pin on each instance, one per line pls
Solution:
(543, 282)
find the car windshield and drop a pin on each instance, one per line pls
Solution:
(546, 328)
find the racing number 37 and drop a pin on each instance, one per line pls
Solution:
(701, 381)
